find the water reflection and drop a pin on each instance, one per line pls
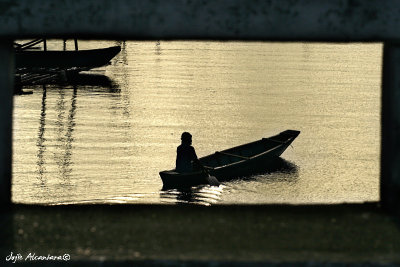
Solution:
(158, 50)
(40, 141)
(122, 56)
(65, 140)
(247, 189)
(65, 161)
(55, 136)
(99, 80)
(274, 172)
(201, 195)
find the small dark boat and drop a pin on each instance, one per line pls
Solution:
(82, 59)
(234, 162)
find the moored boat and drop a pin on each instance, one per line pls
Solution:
(81, 59)
(234, 162)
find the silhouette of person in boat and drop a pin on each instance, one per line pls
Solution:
(186, 158)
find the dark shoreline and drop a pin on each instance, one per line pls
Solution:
(170, 234)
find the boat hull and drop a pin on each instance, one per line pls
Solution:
(85, 59)
(261, 163)
(244, 160)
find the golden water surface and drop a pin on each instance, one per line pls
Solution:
(106, 142)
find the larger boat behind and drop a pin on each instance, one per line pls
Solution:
(81, 59)
(233, 162)
(37, 65)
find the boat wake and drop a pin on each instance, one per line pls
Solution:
(201, 195)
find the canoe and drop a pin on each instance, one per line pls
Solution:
(234, 162)
(83, 59)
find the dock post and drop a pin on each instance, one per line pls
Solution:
(390, 149)
(6, 106)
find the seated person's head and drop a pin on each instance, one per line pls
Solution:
(186, 138)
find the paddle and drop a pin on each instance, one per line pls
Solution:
(212, 180)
